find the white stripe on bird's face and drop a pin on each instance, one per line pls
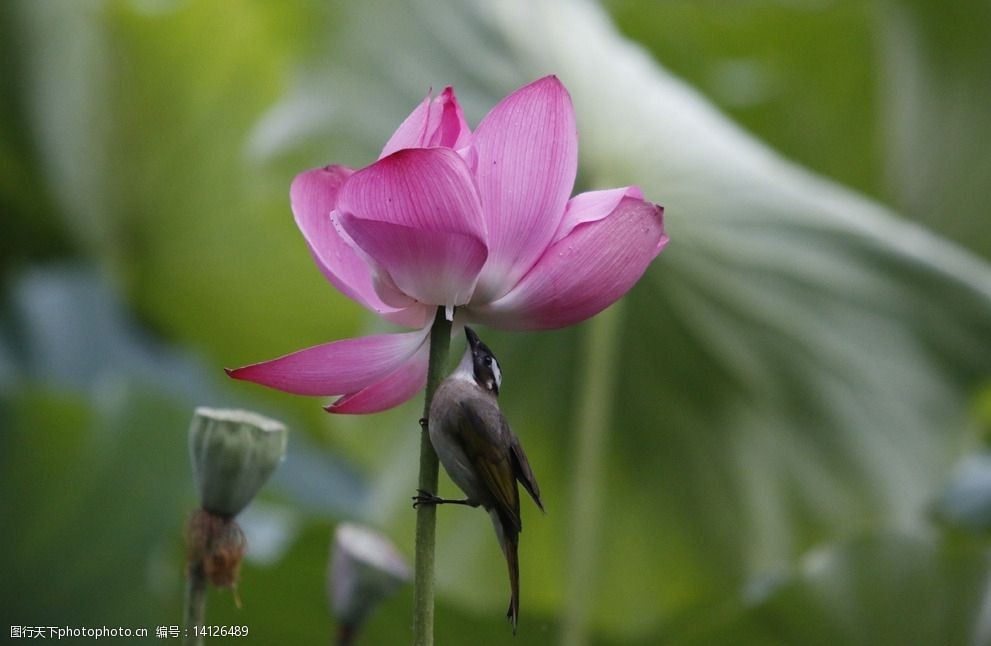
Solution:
(496, 374)
(479, 365)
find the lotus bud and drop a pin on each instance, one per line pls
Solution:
(365, 568)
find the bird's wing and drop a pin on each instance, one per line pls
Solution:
(523, 471)
(487, 447)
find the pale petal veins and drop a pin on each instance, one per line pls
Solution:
(313, 196)
(335, 368)
(449, 218)
(584, 272)
(527, 158)
(393, 389)
(416, 214)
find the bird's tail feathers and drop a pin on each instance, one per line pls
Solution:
(509, 540)
(512, 559)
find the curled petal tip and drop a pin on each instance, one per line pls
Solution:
(434, 122)
(230, 372)
(664, 239)
(552, 81)
(605, 253)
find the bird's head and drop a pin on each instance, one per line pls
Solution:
(485, 367)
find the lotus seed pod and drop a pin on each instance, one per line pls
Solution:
(233, 453)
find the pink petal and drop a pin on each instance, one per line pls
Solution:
(584, 272)
(338, 367)
(593, 205)
(435, 122)
(314, 195)
(392, 390)
(431, 267)
(416, 215)
(527, 149)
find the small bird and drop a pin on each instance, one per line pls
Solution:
(480, 453)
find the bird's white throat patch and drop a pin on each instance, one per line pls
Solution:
(466, 368)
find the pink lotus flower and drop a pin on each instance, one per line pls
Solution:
(477, 221)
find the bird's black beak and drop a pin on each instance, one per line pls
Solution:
(473, 339)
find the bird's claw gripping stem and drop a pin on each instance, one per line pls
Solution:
(426, 498)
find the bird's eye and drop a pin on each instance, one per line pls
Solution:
(487, 361)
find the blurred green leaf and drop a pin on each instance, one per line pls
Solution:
(795, 74)
(63, 326)
(99, 510)
(885, 588)
(94, 420)
(964, 503)
(141, 118)
(796, 367)
(934, 103)
(22, 182)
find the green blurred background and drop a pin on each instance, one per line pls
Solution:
(797, 417)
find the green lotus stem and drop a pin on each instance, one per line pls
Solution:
(195, 605)
(426, 515)
(591, 423)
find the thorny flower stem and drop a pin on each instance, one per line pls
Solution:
(426, 515)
